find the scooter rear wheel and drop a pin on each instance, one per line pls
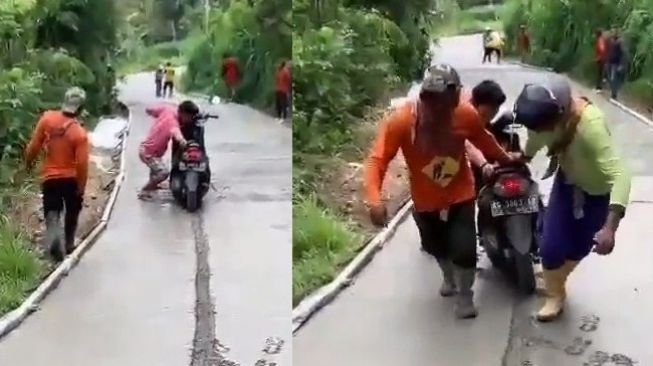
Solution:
(524, 273)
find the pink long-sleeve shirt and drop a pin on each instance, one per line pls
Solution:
(164, 128)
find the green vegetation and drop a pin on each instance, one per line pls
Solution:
(466, 17)
(46, 46)
(569, 46)
(348, 56)
(258, 34)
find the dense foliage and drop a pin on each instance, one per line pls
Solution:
(47, 46)
(258, 34)
(569, 46)
(348, 55)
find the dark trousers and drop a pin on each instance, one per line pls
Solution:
(453, 239)
(487, 54)
(282, 104)
(600, 74)
(168, 87)
(159, 87)
(59, 194)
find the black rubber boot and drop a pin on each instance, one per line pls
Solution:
(53, 236)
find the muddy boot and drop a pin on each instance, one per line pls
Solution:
(465, 308)
(448, 287)
(53, 236)
(554, 283)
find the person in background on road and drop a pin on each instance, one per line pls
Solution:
(153, 148)
(591, 187)
(523, 43)
(431, 133)
(616, 63)
(283, 83)
(64, 170)
(231, 74)
(601, 53)
(169, 83)
(493, 43)
(158, 80)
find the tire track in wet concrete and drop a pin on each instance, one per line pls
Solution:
(206, 347)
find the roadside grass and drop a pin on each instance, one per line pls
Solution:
(21, 268)
(323, 243)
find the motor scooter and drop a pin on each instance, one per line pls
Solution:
(509, 222)
(191, 177)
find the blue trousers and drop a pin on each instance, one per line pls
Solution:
(564, 236)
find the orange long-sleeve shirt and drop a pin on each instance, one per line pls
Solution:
(66, 147)
(440, 178)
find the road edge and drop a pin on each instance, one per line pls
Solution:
(323, 296)
(14, 318)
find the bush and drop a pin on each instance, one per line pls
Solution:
(257, 35)
(570, 46)
(347, 57)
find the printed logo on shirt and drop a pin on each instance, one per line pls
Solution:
(441, 170)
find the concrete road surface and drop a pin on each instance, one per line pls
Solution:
(161, 285)
(393, 315)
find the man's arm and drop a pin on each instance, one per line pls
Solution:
(599, 146)
(36, 143)
(82, 151)
(483, 140)
(475, 155)
(534, 143)
(385, 148)
(154, 111)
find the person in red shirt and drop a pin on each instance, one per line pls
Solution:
(64, 170)
(431, 133)
(283, 84)
(524, 43)
(231, 74)
(601, 53)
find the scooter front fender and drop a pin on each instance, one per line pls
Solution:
(519, 232)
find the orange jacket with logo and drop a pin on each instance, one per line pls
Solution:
(66, 148)
(439, 178)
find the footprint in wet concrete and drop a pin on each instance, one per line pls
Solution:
(601, 358)
(578, 346)
(589, 323)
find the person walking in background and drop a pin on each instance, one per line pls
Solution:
(523, 43)
(601, 53)
(616, 63)
(64, 170)
(158, 80)
(169, 82)
(231, 74)
(283, 82)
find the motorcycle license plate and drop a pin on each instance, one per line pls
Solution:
(515, 206)
(192, 166)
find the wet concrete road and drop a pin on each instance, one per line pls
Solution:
(132, 299)
(393, 315)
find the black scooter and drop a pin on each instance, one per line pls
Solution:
(190, 178)
(509, 220)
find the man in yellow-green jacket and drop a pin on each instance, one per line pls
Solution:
(591, 188)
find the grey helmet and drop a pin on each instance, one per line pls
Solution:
(538, 104)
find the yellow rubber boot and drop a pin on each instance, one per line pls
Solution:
(555, 281)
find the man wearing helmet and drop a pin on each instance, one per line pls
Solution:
(591, 186)
(431, 133)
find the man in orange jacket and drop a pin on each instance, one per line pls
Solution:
(64, 170)
(283, 84)
(431, 133)
(601, 53)
(231, 74)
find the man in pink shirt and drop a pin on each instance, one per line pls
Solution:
(155, 145)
